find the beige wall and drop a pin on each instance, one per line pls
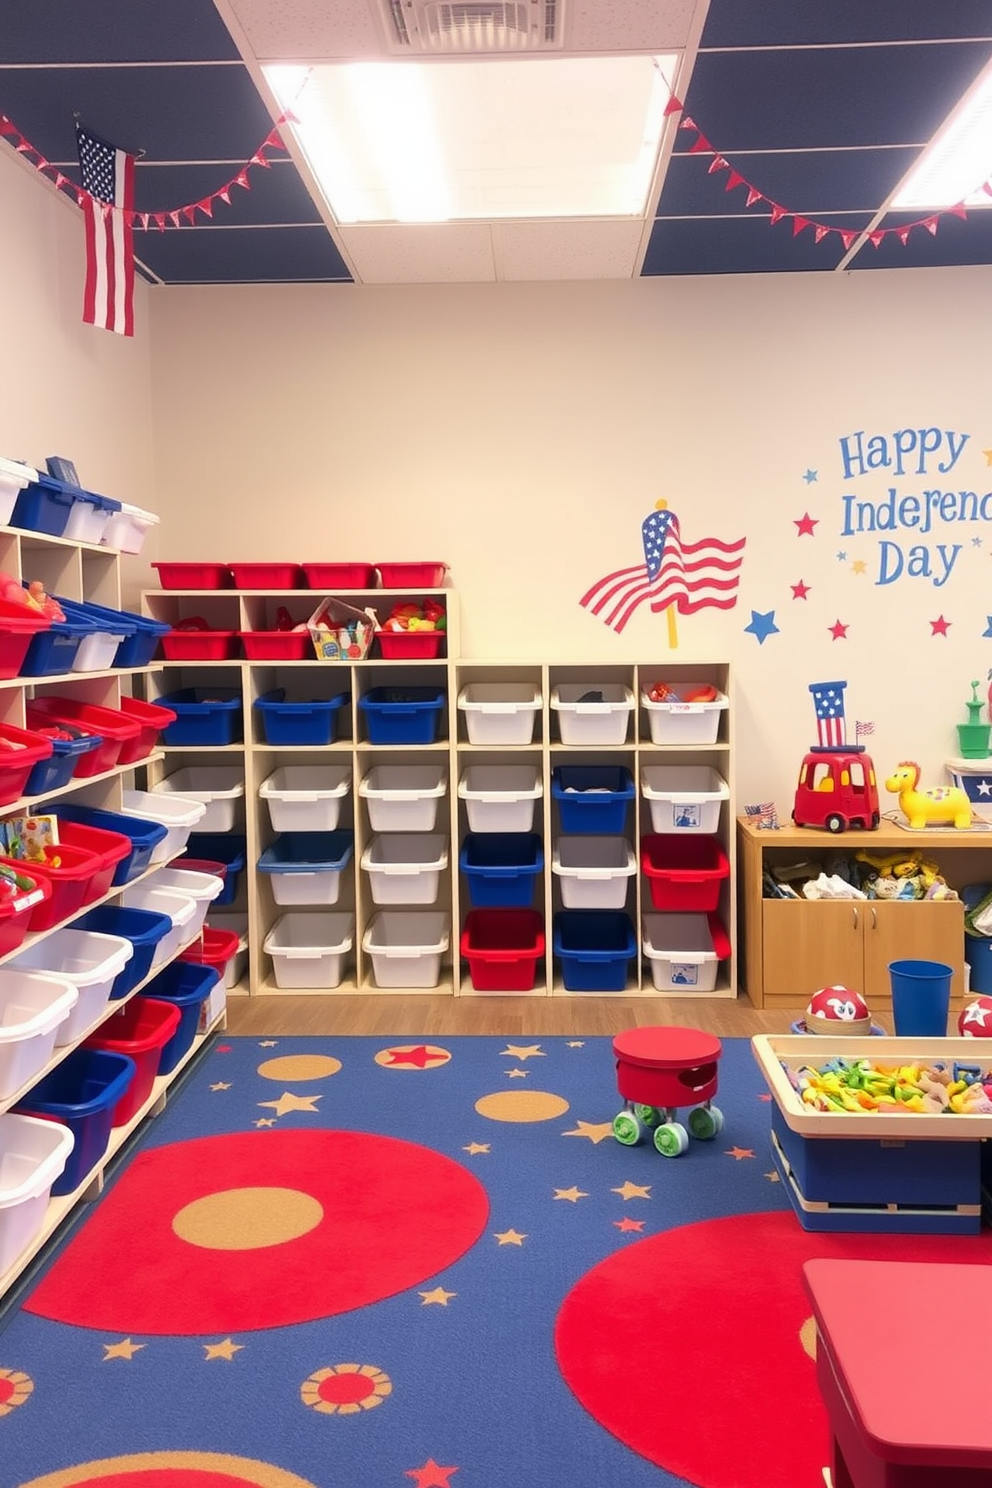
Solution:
(522, 432)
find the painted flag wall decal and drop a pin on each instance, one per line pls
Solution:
(108, 204)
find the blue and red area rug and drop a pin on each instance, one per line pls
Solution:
(366, 1263)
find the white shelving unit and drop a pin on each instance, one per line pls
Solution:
(251, 610)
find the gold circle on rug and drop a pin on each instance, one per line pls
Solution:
(412, 1057)
(247, 1218)
(287, 1068)
(521, 1105)
(246, 1470)
(345, 1389)
(807, 1336)
(15, 1387)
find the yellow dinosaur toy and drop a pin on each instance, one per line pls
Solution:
(940, 805)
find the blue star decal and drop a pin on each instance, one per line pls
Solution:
(976, 542)
(841, 557)
(809, 477)
(762, 626)
(988, 629)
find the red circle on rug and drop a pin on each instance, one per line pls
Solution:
(178, 1469)
(686, 1345)
(394, 1213)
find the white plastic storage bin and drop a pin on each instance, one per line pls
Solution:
(180, 814)
(593, 872)
(680, 949)
(592, 712)
(500, 798)
(96, 651)
(676, 721)
(14, 478)
(403, 798)
(90, 961)
(236, 967)
(217, 787)
(406, 946)
(32, 1009)
(405, 867)
(684, 798)
(33, 1155)
(309, 950)
(180, 908)
(202, 888)
(500, 712)
(128, 528)
(305, 798)
(88, 519)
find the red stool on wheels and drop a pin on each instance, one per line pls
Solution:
(659, 1070)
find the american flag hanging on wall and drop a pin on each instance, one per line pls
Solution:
(688, 576)
(108, 181)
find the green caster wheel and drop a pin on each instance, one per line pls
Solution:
(648, 1116)
(705, 1122)
(671, 1139)
(627, 1129)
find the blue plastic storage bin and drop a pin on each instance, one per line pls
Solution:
(204, 716)
(314, 721)
(402, 715)
(595, 948)
(592, 798)
(501, 867)
(187, 984)
(220, 847)
(306, 867)
(145, 835)
(55, 772)
(81, 1093)
(141, 635)
(44, 506)
(53, 651)
(142, 927)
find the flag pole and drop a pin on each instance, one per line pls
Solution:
(673, 633)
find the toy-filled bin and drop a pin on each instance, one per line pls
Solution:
(20, 750)
(33, 1159)
(55, 772)
(595, 949)
(303, 798)
(205, 716)
(306, 867)
(500, 712)
(684, 872)
(403, 798)
(200, 643)
(684, 950)
(402, 715)
(81, 1094)
(229, 848)
(684, 798)
(501, 867)
(152, 719)
(406, 946)
(140, 1029)
(593, 872)
(88, 959)
(674, 720)
(144, 928)
(405, 867)
(592, 713)
(187, 985)
(112, 726)
(309, 721)
(592, 798)
(502, 948)
(194, 575)
(18, 627)
(68, 881)
(17, 907)
(32, 1009)
(219, 788)
(410, 645)
(309, 949)
(144, 836)
(500, 798)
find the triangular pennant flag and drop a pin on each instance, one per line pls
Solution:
(778, 212)
(687, 123)
(903, 235)
(930, 223)
(144, 219)
(987, 186)
(175, 219)
(875, 238)
(42, 164)
(160, 221)
(22, 147)
(287, 117)
(673, 106)
(189, 212)
(702, 143)
(753, 196)
(821, 232)
(6, 127)
(259, 159)
(847, 238)
(274, 141)
(60, 181)
(241, 179)
(206, 206)
(719, 164)
(733, 180)
(798, 223)
(225, 195)
(960, 210)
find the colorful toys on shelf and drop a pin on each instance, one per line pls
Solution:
(938, 806)
(837, 786)
(975, 1020)
(837, 1009)
(860, 1085)
(32, 597)
(427, 616)
(973, 736)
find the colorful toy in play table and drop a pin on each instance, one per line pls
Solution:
(837, 1009)
(975, 1020)
(940, 805)
(837, 787)
(860, 1085)
(412, 617)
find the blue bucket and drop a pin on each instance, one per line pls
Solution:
(921, 997)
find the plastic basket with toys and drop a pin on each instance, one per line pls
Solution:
(341, 632)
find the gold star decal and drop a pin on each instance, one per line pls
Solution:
(510, 1237)
(625, 1225)
(738, 1152)
(596, 1132)
(221, 1085)
(575, 1044)
(289, 1102)
(438, 1296)
(634, 1190)
(265, 1121)
(523, 1051)
(225, 1350)
(474, 1148)
(772, 1176)
(516, 1074)
(573, 1194)
(123, 1350)
(859, 566)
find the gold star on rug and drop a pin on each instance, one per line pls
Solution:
(575, 1044)
(772, 1176)
(267, 1043)
(738, 1152)
(438, 1296)
(474, 1148)
(510, 1237)
(225, 1350)
(516, 1074)
(265, 1121)
(431, 1475)
(523, 1051)
(290, 1102)
(123, 1350)
(633, 1190)
(221, 1085)
(628, 1224)
(573, 1194)
(595, 1131)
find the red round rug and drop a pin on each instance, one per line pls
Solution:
(262, 1230)
(693, 1347)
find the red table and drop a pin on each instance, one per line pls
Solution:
(905, 1370)
(660, 1069)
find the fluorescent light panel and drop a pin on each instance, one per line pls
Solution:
(480, 139)
(958, 158)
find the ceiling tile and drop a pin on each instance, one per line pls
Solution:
(242, 255)
(113, 31)
(567, 250)
(741, 245)
(299, 30)
(419, 253)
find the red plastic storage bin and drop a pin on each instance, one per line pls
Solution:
(684, 873)
(194, 575)
(69, 883)
(18, 628)
(114, 728)
(201, 645)
(153, 718)
(412, 575)
(212, 947)
(20, 751)
(202, 865)
(108, 846)
(141, 1030)
(267, 575)
(409, 645)
(277, 645)
(502, 948)
(339, 575)
(16, 911)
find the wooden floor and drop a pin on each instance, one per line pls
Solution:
(420, 1015)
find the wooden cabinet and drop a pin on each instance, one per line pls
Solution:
(792, 947)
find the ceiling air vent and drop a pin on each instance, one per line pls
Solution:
(451, 27)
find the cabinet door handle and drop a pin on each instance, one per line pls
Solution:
(874, 919)
(854, 916)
